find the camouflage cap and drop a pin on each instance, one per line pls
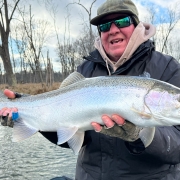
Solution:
(116, 6)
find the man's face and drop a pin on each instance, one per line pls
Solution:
(116, 39)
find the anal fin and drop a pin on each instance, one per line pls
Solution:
(75, 143)
(64, 134)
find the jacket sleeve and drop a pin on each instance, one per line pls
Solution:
(166, 143)
(52, 137)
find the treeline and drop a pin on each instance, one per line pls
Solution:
(29, 77)
(23, 45)
(24, 42)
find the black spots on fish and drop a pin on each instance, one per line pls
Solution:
(163, 86)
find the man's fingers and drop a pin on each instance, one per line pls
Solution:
(8, 111)
(12, 110)
(2, 111)
(107, 121)
(118, 119)
(97, 127)
(9, 94)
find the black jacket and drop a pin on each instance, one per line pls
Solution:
(107, 158)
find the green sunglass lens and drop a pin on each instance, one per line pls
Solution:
(105, 27)
(122, 22)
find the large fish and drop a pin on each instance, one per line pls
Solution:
(70, 110)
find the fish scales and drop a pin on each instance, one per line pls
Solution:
(70, 110)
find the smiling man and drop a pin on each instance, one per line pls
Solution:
(114, 39)
(120, 150)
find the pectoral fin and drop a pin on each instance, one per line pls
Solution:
(22, 130)
(143, 113)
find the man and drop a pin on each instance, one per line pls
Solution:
(121, 150)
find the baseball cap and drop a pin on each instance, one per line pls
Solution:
(116, 7)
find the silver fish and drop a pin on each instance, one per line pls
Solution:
(70, 110)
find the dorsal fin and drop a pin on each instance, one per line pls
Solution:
(72, 78)
(145, 75)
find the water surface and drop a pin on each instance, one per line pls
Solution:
(34, 158)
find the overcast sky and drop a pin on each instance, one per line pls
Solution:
(75, 11)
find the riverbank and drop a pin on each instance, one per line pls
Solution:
(30, 88)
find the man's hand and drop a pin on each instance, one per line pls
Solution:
(116, 126)
(6, 113)
(11, 95)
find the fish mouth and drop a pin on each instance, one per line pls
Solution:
(115, 41)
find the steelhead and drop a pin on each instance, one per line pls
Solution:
(70, 110)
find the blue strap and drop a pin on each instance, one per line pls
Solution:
(15, 116)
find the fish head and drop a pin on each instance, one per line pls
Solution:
(164, 106)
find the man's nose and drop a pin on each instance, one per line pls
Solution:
(114, 29)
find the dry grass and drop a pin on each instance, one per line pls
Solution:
(30, 88)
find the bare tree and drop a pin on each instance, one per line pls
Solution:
(81, 44)
(49, 72)
(36, 34)
(173, 48)
(63, 46)
(5, 20)
(89, 12)
(165, 25)
(173, 17)
(21, 45)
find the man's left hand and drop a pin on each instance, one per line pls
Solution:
(116, 126)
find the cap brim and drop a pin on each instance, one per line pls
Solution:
(96, 21)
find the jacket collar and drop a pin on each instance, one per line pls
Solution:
(142, 33)
(144, 48)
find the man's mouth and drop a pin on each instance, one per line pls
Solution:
(116, 41)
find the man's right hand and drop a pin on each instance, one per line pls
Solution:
(11, 95)
(6, 113)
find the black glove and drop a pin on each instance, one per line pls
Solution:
(6, 121)
(127, 132)
(130, 132)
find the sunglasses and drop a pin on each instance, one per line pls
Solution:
(120, 23)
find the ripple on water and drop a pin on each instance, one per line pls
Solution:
(34, 158)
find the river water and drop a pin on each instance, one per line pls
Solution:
(33, 158)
